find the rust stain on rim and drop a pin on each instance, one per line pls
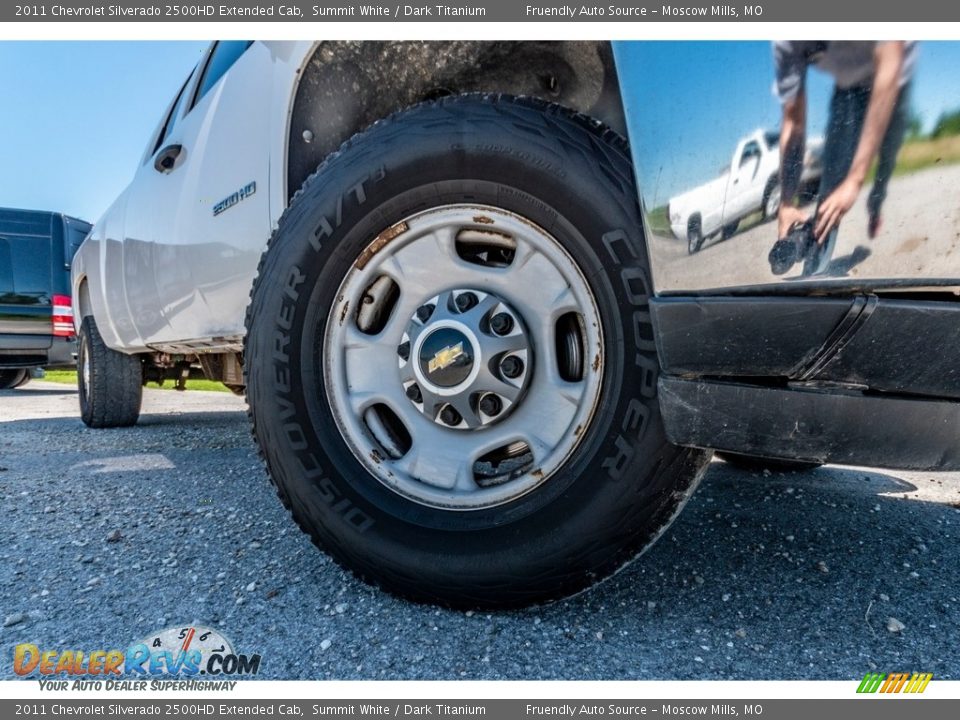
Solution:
(379, 243)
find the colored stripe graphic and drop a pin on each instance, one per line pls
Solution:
(900, 682)
(919, 682)
(870, 683)
(895, 683)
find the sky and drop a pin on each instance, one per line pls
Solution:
(76, 116)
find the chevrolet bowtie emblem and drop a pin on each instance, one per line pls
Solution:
(446, 357)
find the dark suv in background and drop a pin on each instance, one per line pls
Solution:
(36, 315)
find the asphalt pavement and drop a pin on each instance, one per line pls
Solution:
(108, 535)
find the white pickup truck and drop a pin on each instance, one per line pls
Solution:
(749, 184)
(427, 267)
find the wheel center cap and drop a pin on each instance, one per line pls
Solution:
(446, 357)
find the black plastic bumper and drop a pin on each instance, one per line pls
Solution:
(837, 426)
(857, 380)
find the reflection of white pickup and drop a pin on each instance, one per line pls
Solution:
(749, 184)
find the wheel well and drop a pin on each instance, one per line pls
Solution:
(771, 183)
(83, 299)
(347, 86)
(694, 220)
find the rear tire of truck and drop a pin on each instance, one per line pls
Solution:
(110, 383)
(14, 378)
(771, 199)
(451, 371)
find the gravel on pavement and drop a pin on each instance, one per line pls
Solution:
(109, 535)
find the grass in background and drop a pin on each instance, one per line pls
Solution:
(923, 153)
(69, 377)
(658, 223)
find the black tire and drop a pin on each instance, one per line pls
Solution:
(759, 464)
(769, 211)
(621, 487)
(730, 229)
(13, 378)
(112, 395)
(694, 235)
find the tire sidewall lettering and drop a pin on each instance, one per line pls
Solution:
(292, 432)
(635, 284)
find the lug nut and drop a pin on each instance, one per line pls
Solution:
(449, 416)
(465, 301)
(511, 366)
(413, 392)
(404, 350)
(501, 323)
(424, 312)
(491, 405)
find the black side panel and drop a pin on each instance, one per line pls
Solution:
(898, 346)
(905, 347)
(842, 427)
(743, 336)
(860, 380)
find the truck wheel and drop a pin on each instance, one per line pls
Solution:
(771, 200)
(450, 366)
(110, 382)
(13, 378)
(694, 235)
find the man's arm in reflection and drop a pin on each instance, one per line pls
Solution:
(888, 61)
(793, 133)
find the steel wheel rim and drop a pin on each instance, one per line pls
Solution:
(555, 331)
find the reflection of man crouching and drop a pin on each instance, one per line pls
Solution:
(868, 119)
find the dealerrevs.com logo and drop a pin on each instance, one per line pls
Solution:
(176, 652)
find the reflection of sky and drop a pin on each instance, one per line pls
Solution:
(76, 115)
(689, 103)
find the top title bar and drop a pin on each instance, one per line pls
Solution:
(482, 11)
